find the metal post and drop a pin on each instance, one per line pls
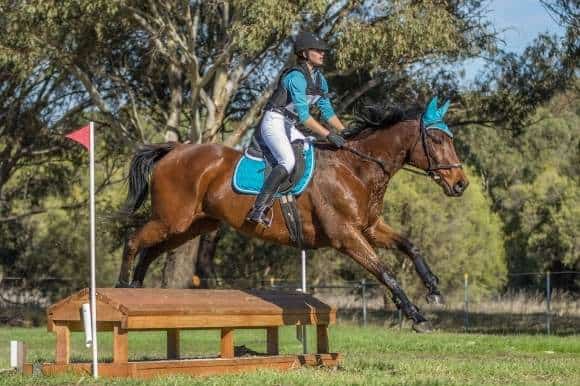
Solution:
(548, 298)
(304, 340)
(466, 302)
(363, 284)
(17, 355)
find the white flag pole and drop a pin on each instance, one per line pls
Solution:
(93, 275)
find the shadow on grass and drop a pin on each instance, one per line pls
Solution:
(477, 322)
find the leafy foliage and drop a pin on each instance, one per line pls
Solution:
(204, 69)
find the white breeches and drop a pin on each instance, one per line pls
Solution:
(278, 132)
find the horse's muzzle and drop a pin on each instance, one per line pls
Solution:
(460, 187)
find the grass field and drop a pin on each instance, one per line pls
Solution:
(371, 356)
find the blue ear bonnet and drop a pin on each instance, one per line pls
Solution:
(433, 117)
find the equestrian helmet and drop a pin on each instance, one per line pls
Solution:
(307, 40)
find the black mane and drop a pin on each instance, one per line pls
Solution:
(371, 117)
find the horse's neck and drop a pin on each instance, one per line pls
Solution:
(391, 146)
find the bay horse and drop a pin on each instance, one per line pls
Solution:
(191, 194)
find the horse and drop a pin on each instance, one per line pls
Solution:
(192, 194)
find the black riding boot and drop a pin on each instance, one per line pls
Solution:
(265, 199)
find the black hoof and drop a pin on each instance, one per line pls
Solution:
(121, 284)
(423, 327)
(136, 284)
(435, 298)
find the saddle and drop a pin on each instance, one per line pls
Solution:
(256, 164)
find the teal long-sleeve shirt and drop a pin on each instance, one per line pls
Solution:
(295, 83)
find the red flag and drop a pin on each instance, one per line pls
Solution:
(81, 136)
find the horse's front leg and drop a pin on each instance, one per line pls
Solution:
(383, 236)
(354, 244)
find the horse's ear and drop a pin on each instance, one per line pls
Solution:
(431, 106)
(443, 109)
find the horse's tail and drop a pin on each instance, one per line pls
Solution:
(141, 165)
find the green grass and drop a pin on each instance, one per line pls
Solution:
(371, 356)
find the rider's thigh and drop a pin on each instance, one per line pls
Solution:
(274, 136)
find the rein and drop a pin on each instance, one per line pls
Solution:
(381, 163)
(432, 165)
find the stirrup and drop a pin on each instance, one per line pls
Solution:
(262, 218)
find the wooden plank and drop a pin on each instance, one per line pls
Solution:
(272, 340)
(162, 322)
(77, 326)
(322, 339)
(195, 367)
(146, 300)
(62, 332)
(70, 310)
(85, 369)
(227, 343)
(173, 343)
(132, 299)
(120, 345)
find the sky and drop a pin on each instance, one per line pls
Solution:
(521, 21)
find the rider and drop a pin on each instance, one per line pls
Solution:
(299, 87)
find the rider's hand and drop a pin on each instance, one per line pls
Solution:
(336, 140)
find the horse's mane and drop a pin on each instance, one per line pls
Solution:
(372, 117)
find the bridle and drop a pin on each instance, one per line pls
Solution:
(432, 165)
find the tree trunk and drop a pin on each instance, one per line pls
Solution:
(178, 263)
(204, 268)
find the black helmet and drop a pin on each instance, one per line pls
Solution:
(307, 40)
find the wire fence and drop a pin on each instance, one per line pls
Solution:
(541, 308)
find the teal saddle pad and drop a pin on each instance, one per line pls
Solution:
(249, 174)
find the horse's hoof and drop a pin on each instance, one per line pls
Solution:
(121, 284)
(435, 298)
(136, 284)
(423, 327)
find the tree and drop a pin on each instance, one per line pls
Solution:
(533, 179)
(191, 66)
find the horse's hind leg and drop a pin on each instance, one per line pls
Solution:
(356, 246)
(382, 235)
(150, 234)
(148, 255)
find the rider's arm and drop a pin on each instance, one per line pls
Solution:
(295, 83)
(336, 123)
(326, 109)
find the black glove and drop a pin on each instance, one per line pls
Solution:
(336, 140)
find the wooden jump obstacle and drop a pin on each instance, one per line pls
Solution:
(123, 310)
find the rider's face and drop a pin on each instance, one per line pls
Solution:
(315, 57)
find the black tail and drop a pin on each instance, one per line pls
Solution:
(141, 166)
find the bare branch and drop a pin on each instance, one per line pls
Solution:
(221, 59)
(250, 117)
(97, 98)
(354, 95)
